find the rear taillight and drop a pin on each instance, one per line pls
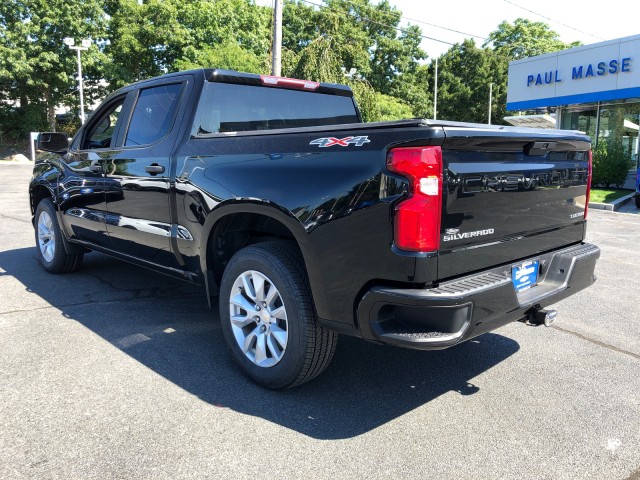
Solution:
(589, 176)
(417, 219)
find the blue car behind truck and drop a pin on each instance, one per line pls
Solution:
(637, 197)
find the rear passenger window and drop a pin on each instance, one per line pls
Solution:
(237, 108)
(153, 115)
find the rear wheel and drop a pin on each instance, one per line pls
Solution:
(638, 201)
(49, 242)
(268, 319)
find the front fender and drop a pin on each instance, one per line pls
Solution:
(46, 174)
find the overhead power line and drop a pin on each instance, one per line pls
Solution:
(552, 20)
(419, 21)
(444, 28)
(402, 30)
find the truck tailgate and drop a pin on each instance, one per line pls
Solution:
(510, 195)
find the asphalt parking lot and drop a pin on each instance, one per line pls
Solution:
(116, 372)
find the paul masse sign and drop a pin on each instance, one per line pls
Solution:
(602, 71)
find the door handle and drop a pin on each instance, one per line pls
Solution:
(154, 169)
(96, 168)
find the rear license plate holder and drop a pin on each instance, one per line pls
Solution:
(525, 275)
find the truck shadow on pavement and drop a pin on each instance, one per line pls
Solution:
(166, 325)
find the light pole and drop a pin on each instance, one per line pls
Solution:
(276, 47)
(490, 98)
(435, 93)
(86, 43)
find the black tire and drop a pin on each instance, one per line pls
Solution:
(309, 347)
(55, 259)
(637, 201)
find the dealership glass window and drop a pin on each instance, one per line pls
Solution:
(618, 121)
(584, 120)
(621, 123)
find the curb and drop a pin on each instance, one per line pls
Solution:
(613, 206)
(15, 162)
(15, 159)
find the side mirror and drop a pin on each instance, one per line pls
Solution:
(53, 142)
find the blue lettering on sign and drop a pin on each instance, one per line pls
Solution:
(548, 78)
(578, 72)
(589, 72)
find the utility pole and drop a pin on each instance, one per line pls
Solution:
(86, 43)
(276, 48)
(435, 93)
(490, 95)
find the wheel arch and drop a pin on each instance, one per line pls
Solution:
(37, 193)
(234, 225)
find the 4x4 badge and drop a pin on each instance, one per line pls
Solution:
(343, 142)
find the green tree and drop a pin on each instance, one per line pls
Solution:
(228, 55)
(145, 40)
(336, 23)
(222, 22)
(394, 57)
(465, 72)
(364, 36)
(319, 61)
(524, 38)
(322, 43)
(388, 108)
(299, 25)
(611, 163)
(37, 70)
(163, 36)
(415, 88)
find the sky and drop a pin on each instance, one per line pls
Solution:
(572, 20)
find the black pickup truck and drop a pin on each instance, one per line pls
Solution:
(302, 222)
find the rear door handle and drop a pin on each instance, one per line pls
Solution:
(154, 169)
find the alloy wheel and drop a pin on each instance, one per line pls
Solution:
(258, 318)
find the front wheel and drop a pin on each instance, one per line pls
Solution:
(268, 319)
(638, 201)
(49, 242)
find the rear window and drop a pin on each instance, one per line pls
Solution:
(153, 114)
(239, 108)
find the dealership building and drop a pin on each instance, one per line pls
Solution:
(594, 89)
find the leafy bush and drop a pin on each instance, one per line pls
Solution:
(391, 108)
(16, 123)
(611, 164)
